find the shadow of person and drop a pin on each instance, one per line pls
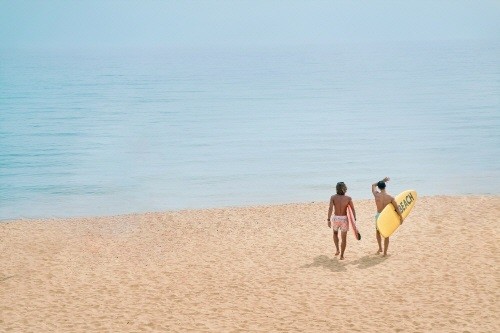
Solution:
(6, 278)
(333, 265)
(368, 261)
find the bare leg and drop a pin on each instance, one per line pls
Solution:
(344, 244)
(336, 241)
(379, 241)
(386, 245)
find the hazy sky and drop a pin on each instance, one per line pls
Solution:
(169, 23)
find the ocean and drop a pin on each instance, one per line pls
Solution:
(105, 132)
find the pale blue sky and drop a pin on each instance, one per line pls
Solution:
(101, 23)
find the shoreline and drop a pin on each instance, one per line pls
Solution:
(230, 207)
(259, 268)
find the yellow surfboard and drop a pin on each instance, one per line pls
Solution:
(389, 221)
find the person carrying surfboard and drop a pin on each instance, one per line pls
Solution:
(340, 201)
(382, 199)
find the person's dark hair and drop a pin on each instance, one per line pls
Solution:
(341, 188)
(381, 185)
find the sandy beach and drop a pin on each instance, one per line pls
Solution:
(253, 269)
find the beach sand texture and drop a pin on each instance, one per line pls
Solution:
(254, 269)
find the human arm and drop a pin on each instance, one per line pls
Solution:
(352, 207)
(374, 185)
(394, 203)
(330, 210)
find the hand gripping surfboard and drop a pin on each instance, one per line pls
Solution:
(388, 220)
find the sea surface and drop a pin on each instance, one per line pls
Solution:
(104, 132)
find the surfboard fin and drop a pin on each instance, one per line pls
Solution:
(359, 236)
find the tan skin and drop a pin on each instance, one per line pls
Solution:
(382, 199)
(338, 205)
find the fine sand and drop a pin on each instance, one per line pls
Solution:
(254, 269)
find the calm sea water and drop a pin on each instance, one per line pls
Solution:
(98, 133)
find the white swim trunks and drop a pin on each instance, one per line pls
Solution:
(340, 222)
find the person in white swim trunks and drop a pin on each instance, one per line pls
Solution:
(338, 206)
(382, 199)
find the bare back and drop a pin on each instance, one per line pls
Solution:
(382, 199)
(340, 203)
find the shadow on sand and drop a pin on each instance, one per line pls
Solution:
(2, 279)
(368, 261)
(333, 265)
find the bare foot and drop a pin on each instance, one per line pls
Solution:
(342, 258)
(384, 255)
(379, 251)
(337, 253)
